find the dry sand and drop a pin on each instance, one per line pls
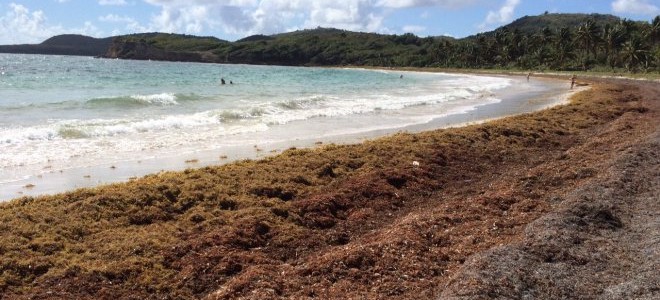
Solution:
(561, 203)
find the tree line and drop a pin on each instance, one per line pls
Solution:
(552, 42)
(626, 45)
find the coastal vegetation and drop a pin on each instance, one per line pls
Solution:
(175, 42)
(547, 42)
(569, 42)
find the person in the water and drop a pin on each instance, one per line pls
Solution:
(573, 78)
(222, 81)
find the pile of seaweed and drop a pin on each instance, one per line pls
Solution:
(398, 217)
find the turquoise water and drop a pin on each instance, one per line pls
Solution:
(60, 112)
(35, 88)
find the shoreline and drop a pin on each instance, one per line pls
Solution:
(558, 203)
(53, 181)
(564, 75)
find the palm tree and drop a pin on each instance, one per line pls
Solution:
(542, 55)
(438, 52)
(503, 46)
(502, 36)
(587, 35)
(546, 35)
(516, 46)
(445, 52)
(504, 56)
(635, 52)
(483, 50)
(471, 55)
(653, 32)
(563, 46)
(542, 39)
(525, 44)
(613, 38)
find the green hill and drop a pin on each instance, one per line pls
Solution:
(66, 44)
(255, 38)
(74, 44)
(533, 24)
(327, 46)
(548, 41)
(174, 42)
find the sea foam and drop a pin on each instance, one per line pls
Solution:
(267, 113)
(162, 99)
(99, 117)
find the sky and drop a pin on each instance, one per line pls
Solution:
(32, 21)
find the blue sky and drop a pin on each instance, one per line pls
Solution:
(32, 21)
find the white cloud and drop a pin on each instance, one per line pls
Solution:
(112, 2)
(115, 18)
(233, 17)
(346, 14)
(20, 25)
(641, 7)
(244, 17)
(264, 16)
(502, 15)
(131, 24)
(88, 29)
(196, 15)
(413, 28)
(189, 19)
(421, 3)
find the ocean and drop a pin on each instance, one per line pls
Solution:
(62, 113)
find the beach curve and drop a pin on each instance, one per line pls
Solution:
(392, 218)
(52, 176)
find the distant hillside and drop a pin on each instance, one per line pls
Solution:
(66, 44)
(174, 42)
(325, 46)
(255, 38)
(320, 46)
(548, 41)
(533, 24)
(164, 46)
(74, 44)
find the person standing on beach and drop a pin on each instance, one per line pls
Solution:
(573, 81)
(528, 75)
